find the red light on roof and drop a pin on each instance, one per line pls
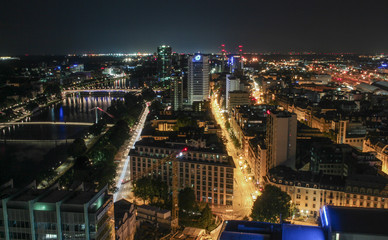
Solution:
(222, 45)
(240, 46)
(184, 149)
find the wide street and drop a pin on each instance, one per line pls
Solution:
(123, 169)
(243, 188)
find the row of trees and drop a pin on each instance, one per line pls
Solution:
(97, 165)
(127, 110)
(157, 193)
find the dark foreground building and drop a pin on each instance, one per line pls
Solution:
(32, 213)
(337, 223)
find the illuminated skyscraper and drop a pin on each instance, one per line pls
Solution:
(176, 91)
(164, 62)
(198, 78)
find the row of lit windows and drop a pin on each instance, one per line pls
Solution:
(167, 152)
(186, 174)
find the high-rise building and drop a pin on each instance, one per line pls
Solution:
(281, 139)
(235, 63)
(237, 98)
(176, 91)
(198, 78)
(32, 213)
(164, 62)
(232, 84)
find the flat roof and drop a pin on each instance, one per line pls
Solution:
(54, 196)
(80, 197)
(369, 221)
(28, 195)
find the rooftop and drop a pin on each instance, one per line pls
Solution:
(368, 221)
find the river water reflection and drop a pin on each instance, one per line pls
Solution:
(42, 141)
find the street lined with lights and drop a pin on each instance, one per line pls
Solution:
(244, 192)
(123, 173)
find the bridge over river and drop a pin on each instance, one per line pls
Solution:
(123, 90)
(50, 123)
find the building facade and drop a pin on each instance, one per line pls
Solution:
(177, 92)
(232, 84)
(237, 98)
(125, 220)
(164, 62)
(281, 139)
(257, 160)
(209, 173)
(32, 213)
(309, 195)
(198, 78)
(381, 150)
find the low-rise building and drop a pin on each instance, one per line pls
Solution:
(380, 147)
(153, 214)
(257, 159)
(330, 159)
(310, 192)
(125, 220)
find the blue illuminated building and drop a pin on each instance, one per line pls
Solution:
(336, 223)
(245, 230)
(354, 223)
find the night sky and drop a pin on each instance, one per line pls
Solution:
(94, 26)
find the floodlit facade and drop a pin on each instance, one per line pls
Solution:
(209, 173)
(310, 193)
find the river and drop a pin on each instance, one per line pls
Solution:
(27, 148)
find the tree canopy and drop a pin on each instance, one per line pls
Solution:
(206, 217)
(184, 121)
(156, 106)
(271, 204)
(153, 190)
(187, 200)
(53, 89)
(77, 148)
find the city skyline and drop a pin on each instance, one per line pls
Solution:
(282, 26)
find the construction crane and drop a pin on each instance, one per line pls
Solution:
(173, 158)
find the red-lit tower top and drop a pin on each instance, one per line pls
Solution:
(223, 51)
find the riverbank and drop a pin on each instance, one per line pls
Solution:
(28, 114)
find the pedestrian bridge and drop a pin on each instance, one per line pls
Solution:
(42, 141)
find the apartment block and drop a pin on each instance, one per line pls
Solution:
(208, 170)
